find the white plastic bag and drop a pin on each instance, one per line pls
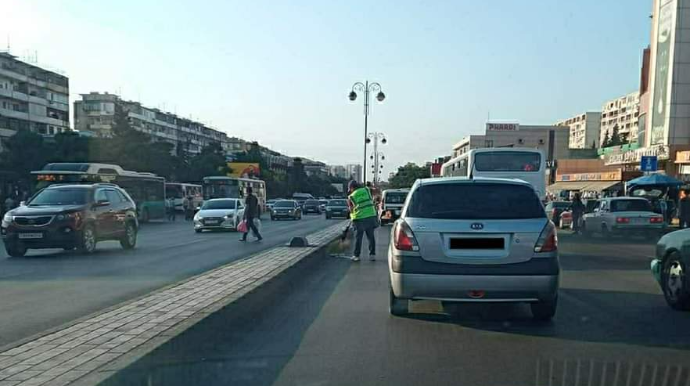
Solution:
(257, 224)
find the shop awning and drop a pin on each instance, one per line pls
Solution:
(599, 186)
(567, 185)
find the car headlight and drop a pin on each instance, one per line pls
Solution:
(198, 218)
(7, 218)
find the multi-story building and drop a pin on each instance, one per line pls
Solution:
(354, 172)
(339, 171)
(32, 98)
(95, 113)
(468, 143)
(584, 130)
(621, 115)
(315, 168)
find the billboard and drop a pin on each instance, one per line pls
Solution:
(660, 102)
(244, 169)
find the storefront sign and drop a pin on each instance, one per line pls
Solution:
(502, 127)
(683, 157)
(615, 175)
(661, 152)
(661, 92)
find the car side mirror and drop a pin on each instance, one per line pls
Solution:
(100, 203)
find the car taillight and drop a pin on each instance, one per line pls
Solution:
(622, 220)
(656, 220)
(403, 238)
(548, 240)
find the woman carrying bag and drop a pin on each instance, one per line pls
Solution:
(251, 214)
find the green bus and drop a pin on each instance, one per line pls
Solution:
(146, 189)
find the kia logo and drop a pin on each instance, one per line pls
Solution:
(477, 226)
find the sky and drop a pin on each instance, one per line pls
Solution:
(279, 72)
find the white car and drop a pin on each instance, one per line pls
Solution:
(219, 213)
(624, 215)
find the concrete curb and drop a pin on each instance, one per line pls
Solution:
(89, 350)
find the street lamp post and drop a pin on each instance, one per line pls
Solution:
(366, 88)
(376, 156)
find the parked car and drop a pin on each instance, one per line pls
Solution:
(566, 220)
(474, 240)
(286, 209)
(337, 208)
(311, 206)
(392, 201)
(670, 268)
(219, 214)
(322, 204)
(69, 217)
(555, 208)
(624, 216)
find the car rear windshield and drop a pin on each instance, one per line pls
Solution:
(284, 204)
(337, 203)
(630, 206)
(74, 196)
(395, 198)
(475, 201)
(221, 204)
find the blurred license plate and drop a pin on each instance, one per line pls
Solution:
(31, 235)
(639, 220)
(212, 222)
(479, 243)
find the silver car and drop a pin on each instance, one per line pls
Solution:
(624, 215)
(474, 240)
(219, 213)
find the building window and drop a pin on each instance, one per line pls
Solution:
(489, 143)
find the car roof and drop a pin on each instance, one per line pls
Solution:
(467, 180)
(624, 198)
(81, 186)
(222, 199)
(405, 190)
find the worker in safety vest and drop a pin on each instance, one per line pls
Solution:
(364, 218)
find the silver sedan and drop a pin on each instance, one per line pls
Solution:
(219, 213)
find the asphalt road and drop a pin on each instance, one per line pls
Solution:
(50, 287)
(327, 323)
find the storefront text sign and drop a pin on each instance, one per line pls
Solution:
(635, 156)
(615, 175)
(683, 157)
(502, 127)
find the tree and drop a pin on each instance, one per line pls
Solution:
(606, 142)
(209, 162)
(615, 137)
(24, 152)
(408, 174)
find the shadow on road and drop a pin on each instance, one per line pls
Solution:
(247, 342)
(583, 315)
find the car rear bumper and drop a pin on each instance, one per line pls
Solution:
(637, 228)
(475, 288)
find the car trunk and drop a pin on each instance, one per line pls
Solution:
(456, 242)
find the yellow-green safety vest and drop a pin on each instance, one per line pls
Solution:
(363, 205)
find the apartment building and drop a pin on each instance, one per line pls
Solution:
(339, 171)
(354, 172)
(32, 98)
(621, 115)
(468, 143)
(584, 129)
(95, 114)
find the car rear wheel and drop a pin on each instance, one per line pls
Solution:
(397, 306)
(544, 310)
(87, 240)
(674, 282)
(129, 240)
(15, 250)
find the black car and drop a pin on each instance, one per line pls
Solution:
(286, 209)
(69, 217)
(337, 208)
(311, 206)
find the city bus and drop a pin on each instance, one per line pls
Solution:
(232, 187)
(525, 164)
(179, 190)
(146, 189)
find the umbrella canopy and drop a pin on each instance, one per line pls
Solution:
(655, 180)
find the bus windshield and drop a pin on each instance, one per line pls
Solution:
(507, 161)
(221, 189)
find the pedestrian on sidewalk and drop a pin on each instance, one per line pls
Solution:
(171, 208)
(251, 212)
(364, 218)
(186, 204)
(578, 209)
(684, 210)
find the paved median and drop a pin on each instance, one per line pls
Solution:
(91, 349)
